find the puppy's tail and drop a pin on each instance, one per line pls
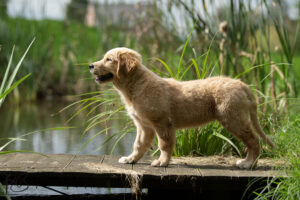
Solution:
(257, 127)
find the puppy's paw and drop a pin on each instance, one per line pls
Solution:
(126, 160)
(244, 164)
(159, 163)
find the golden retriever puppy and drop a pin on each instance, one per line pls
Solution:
(160, 106)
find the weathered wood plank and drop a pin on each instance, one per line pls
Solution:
(52, 163)
(110, 164)
(5, 158)
(144, 168)
(105, 171)
(18, 161)
(86, 163)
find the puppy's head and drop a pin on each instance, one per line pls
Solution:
(117, 64)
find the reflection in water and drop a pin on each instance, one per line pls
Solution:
(18, 120)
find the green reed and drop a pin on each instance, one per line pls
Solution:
(7, 82)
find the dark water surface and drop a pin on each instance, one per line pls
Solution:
(16, 121)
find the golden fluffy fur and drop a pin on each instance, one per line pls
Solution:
(159, 106)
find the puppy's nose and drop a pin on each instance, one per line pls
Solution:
(91, 66)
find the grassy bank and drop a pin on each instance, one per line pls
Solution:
(287, 140)
(59, 58)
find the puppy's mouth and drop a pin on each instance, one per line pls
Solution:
(104, 77)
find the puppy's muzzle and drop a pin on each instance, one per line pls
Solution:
(104, 77)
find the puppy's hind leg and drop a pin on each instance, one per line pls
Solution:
(241, 128)
(252, 143)
(142, 143)
(166, 143)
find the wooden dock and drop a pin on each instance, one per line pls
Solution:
(185, 173)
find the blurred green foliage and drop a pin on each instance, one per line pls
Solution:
(58, 62)
(76, 10)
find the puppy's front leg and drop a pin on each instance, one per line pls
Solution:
(166, 143)
(142, 143)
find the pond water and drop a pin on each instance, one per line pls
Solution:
(17, 120)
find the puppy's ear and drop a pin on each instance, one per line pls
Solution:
(127, 62)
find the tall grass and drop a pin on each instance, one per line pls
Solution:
(288, 142)
(247, 37)
(209, 140)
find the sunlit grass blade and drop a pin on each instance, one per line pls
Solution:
(182, 54)
(93, 109)
(212, 70)
(155, 152)
(77, 102)
(190, 65)
(7, 85)
(204, 68)
(106, 141)
(185, 71)
(20, 138)
(47, 129)
(98, 116)
(88, 93)
(14, 73)
(7, 71)
(108, 113)
(166, 66)
(158, 72)
(257, 66)
(92, 138)
(119, 138)
(10, 141)
(95, 120)
(196, 68)
(12, 87)
(83, 108)
(228, 141)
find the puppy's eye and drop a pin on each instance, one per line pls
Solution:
(108, 59)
